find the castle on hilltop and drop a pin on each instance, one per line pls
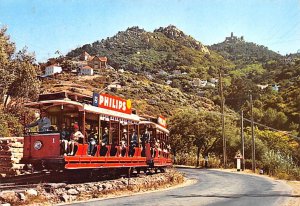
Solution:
(234, 38)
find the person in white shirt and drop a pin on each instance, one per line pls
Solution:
(75, 136)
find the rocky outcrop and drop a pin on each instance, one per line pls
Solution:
(174, 33)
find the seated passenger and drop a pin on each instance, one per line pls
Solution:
(104, 141)
(145, 139)
(64, 138)
(75, 136)
(43, 122)
(114, 149)
(123, 143)
(133, 143)
(92, 141)
(157, 147)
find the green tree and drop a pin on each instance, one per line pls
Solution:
(200, 130)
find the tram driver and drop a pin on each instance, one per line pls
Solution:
(43, 122)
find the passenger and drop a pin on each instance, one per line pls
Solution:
(43, 122)
(114, 149)
(104, 142)
(75, 136)
(133, 143)
(152, 147)
(124, 143)
(157, 148)
(64, 138)
(145, 139)
(92, 141)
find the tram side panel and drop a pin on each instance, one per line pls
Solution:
(41, 146)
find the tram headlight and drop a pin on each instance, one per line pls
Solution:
(37, 145)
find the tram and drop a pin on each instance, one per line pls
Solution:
(43, 150)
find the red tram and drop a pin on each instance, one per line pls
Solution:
(44, 150)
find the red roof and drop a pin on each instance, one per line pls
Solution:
(102, 59)
(87, 67)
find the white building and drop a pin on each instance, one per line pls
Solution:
(114, 85)
(87, 70)
(52, 69)
(209, 84)
(213, 80)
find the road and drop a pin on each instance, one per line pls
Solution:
(212, 188)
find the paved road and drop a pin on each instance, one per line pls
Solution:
(213, 188)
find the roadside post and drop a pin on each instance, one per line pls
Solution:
(238, 157)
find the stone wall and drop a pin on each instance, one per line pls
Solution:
(11, 152)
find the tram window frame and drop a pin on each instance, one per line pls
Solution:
(115, 134)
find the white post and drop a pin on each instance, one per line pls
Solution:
(238, 164)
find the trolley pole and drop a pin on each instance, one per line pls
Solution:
(243, 140)
(223, 120)
(252, 134)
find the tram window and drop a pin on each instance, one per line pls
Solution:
(114, 137)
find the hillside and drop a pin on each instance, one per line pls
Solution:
(148, 98)
(242, 53)
(164, 49)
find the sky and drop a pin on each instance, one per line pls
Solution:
(45, 26)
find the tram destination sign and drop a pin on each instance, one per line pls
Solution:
(111, 102)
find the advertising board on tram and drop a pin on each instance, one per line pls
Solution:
(162, 121)
(111, 102)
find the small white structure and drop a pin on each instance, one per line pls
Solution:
(87, 70)
(176, 72)
(162, 72)
(114, 85)
(209, 84)
(168, 82)
(214, 80)
(52, 69)
(262, 86)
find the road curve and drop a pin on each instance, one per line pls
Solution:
(213, 188)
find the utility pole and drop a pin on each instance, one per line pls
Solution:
(243, 140)
(223, 120)
(252, 134)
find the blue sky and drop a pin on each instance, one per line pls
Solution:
(45, 26)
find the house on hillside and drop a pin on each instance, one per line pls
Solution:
(87, 70)
(85, 56)
(214, 80)
(52, 69)
(209, 84)
(168, 82)
(98, 63)
(116, 85)
(197, 82)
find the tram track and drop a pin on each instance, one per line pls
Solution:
(26, 181)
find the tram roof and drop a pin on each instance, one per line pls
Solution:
(85, 107)
(155, 125)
